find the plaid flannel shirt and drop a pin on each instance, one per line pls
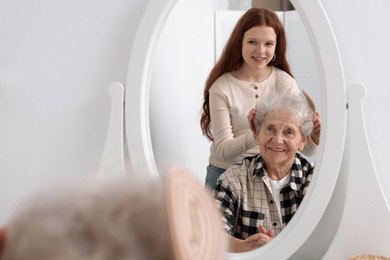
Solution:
(244, 196)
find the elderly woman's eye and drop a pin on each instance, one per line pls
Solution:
(269, 129)
(290, 132)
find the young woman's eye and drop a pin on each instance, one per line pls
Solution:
(270, 44)
(252, 42)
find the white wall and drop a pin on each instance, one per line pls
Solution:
(363, 34)
(183, 59)
(57, 59)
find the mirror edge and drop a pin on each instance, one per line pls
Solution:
(137, 128)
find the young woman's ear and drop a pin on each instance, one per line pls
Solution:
(2, 240)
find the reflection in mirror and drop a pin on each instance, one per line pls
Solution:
(184, 55)
(181, 64)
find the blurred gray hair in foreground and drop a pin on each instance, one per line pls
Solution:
(123, 218)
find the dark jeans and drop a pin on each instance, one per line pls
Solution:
(212, 176)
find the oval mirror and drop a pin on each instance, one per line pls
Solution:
(138, 119)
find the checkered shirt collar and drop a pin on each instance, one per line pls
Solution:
(296, 178)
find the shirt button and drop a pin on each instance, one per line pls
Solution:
(256, 87)
(275, 224)
(271, 201)
(256, 96)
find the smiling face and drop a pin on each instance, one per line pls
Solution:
(280, 138)
(258, 46)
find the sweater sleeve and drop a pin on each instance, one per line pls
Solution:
(228, 145)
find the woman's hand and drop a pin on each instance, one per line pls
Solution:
(315, 134)
(259, 239)
(251, 116)
(255, 241)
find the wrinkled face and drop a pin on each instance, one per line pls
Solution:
(280, 138)
(258, 46)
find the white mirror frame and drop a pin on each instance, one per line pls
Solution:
(312, 211)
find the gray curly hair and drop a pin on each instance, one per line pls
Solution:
(297, 104)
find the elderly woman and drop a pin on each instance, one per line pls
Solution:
(260, 195)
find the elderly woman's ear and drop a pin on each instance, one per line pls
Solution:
(303, 143)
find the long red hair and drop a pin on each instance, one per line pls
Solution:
(231, 58)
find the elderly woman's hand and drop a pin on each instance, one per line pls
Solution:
(255, 241)
(315, 135)
(259, 239)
